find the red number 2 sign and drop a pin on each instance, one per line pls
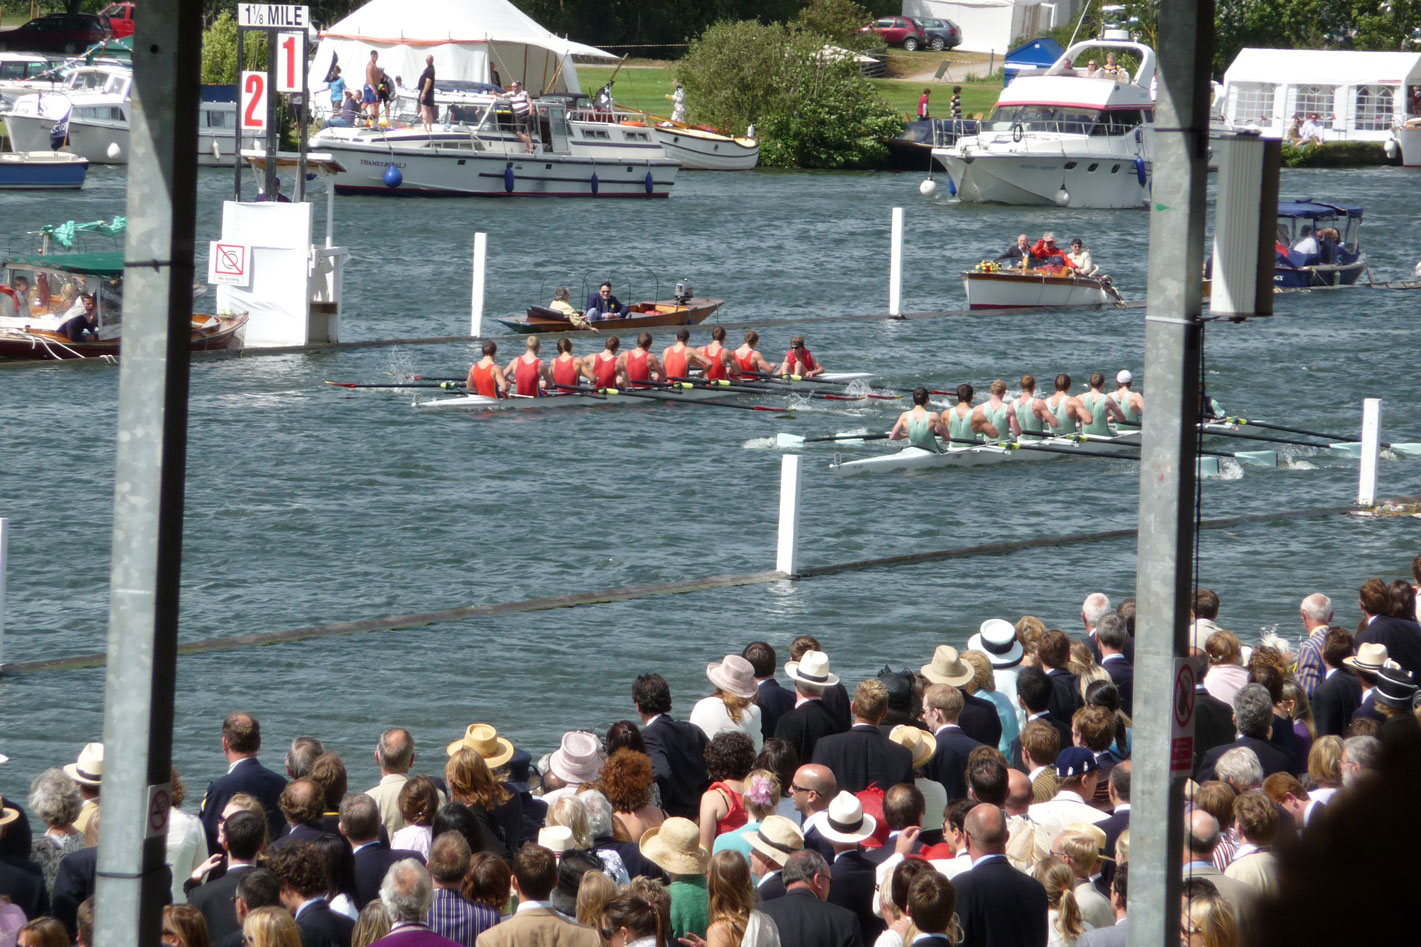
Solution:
(253, 104)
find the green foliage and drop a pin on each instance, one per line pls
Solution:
(811, 110)
(1334, 154)
(219, 51)
(839, 21)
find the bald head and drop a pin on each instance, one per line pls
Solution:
(1201, 835)
(1018, 792)
(820, 785)
(986, 828)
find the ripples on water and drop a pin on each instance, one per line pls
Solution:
(307, 504)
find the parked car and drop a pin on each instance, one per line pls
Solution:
(898, 31)
(57, 32)
(120, 17)
(941, 34)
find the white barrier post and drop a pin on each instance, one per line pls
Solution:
(787, 550)
(4, 539)
(476, 317)
(895, 266)
(1371, 443)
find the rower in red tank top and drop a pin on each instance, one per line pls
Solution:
(719, 366)
(485, 377)
(604, 366)
(639, 365)
(798, 361)
(678, 358)
(568, 369)
(748, 359)
(528, 370)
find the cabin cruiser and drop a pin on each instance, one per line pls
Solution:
(1064, 136)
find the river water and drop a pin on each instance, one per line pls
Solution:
(308, 504)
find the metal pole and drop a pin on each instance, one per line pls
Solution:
(1367, 476)
(237, 133)
(787, 549)
(895, 266)
(148, 475)
(305, 120)
(273, 125)
(1167, 462)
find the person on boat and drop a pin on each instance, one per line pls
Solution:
(720, 364)
(1079, 259)
(1110, 68)
(919, 425)
(1033, 418)
(798, 360)
(529, 372)
(603, 305)
(485, 377)
(965, 424)
(522, 108)
(1019, 251)
(336, 87)
(1209, 409)
(923, 105)
(567, 370)
(1067, 408)
(561, 303)
(749, 360)
(426, 94)
(995, 413)
(349, 112)
(22, 295)
(1312, 129)
(1045, 251)
(1092, 70)
(639, 366)
(385, 92)
(678, 104)
(367, 94)
(276, 196)
(606, 365)
(1328, 245)
(679, 358)
(1129, 401)
(81, 320)
(956, 103)
(1101, 407)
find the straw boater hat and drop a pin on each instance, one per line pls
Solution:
(777, 838)
(578, 760)
(1395, 687)
(947, 667)
(9, 814)
(846, 822)
(484, 740)
(734, 675)
(1371, 657)
(997, 640)
(812, 668)
(922, 743)
(555, 838)
(675, 847)
(1094, 832)
(88, 770)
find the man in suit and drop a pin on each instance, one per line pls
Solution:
(811, 791)
(863, 756)
(1033, 693)
(360, 824)
(942, 703)
(810, 719)
(836, 696)
(773, 699)
(1213, 718)
(259, 888)
(20, 880)
(394, 754)
(1253, 716)
(1201, 837)
(304, 882)
(1055, 654)
(1402, 636)
(243, 835)
(1095, 607)
(302, 755)
(978, 717)
(303, 804)
(997, 906)
(930, 905)
(407, 895)
(1038, 748)
(903, 807)
(241, 740)
(1338, 694)
(535, 874)
(77, 880)
(1112, 637)
(853, 877)
(677, 748)
(1116, 935)
(803, 916)
(771, 845)
(1118, 820)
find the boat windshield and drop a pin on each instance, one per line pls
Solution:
(55, 292)
(1291, 229)
(1068, 119)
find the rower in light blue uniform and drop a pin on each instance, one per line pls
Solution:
(1033, 419)
(1101, 407)
(921, 426)
(1067, 408)
(997, 414)
(965, 424)
(1127, 399)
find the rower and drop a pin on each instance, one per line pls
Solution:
(606, 365)
(1127, 399)
(1067, 407)
(962, 422)
(639, 365)
(1033, 418)
(1102, 408)
(996, 413)
(679, 358)
(921, 426)
(1209, 409)
(798, 361)
(750, 360)
(485, 377)
(530, 373)
(567, 370)
(720, 365)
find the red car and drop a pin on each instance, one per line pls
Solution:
(120, 17)
(56, 33)
(898, 31)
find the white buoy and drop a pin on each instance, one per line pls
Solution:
(216, 149)
(114, 151)
(1063, 196)
(1391, 149)
(928, 188)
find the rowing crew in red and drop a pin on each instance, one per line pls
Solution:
(529, 376)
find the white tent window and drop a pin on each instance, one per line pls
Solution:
(1252, 102)
(1374, 106)
(1315, 100)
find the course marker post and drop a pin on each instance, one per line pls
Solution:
(476, 306)
(4, 540)
(787, 549)
(895, 266)
(1371, 442)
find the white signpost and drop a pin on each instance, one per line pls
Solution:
(286, 27)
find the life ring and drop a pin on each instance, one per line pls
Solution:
(1017, 131)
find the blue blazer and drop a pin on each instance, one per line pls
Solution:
(250, 777)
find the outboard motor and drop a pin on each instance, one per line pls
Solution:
(684, 292)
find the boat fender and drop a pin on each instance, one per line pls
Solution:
(951, 188)
(594, 183)
(393, 177)
(649, 182)
(1017, 131)
(928, 188)
(1140, 170)
(1390, 148)
(508, 178)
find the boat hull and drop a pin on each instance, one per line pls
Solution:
(1306, 277)
(42, 170)
(1007, 289)
(916, 458)
(665, 313)
(573, 400)
(699, 150)
(1027, 178)
(93, 141)
(44, 345)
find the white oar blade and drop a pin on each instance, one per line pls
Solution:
(1347, 450)
(1411, 449)
(1209, 468)
(785, 441)
(1257, 458)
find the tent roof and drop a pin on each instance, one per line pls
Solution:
(107, 264)
(1312, 210)
(1038, 52)
(437, 22)
(1324, 67)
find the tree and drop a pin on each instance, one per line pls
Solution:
(839, 21)
(219, 51)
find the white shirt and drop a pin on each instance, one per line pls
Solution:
(187, 848)
(712, 716)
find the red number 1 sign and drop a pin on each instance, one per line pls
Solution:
(290, 61)
(253, 102)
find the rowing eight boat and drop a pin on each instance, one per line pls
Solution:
(472, 402)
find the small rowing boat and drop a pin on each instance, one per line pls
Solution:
(643, 315)
(998, 452)
(473, 402)
(990, 286)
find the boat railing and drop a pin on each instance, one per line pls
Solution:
(1082, 137)
(607, 117)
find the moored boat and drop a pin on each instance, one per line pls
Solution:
(42, 170)
(705, 149)
(1334, 256)
(669, 312)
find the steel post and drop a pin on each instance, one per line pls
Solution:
(1167, 464)
(149, 469)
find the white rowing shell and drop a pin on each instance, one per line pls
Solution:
(482, 403)
(913, 458)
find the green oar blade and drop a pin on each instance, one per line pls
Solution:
(785, 441)
(1409, 449)
(1257, 458)
(1352, 450)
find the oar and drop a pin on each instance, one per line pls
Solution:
(453, 384)
(784, 440)
(668, 396)
(1292, 430)
(430, 377)
(733, 386)
(764, 376)
(1264, 437)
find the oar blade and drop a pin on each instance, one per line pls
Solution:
(1209, 468)
(785, 441)
(1353, 451)
(1256, 458)
(1409, 449)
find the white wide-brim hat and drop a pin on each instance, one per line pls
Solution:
(88, 770)
(812, 668)
(845, 822)
(579, 759)
(996, 638)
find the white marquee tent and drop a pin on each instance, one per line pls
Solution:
(1359, 94)
(474, 40)
(989, 25)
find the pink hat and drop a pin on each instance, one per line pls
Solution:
(734, 675)
(579, 759)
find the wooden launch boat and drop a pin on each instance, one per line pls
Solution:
(642, 315)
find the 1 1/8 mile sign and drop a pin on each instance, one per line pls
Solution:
(273, 15)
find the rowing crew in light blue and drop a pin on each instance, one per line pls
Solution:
(1028, 417)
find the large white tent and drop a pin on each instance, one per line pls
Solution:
(473, 40)
(995, 25)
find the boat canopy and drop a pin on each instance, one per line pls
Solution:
(106, 264)
(1313, 210)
